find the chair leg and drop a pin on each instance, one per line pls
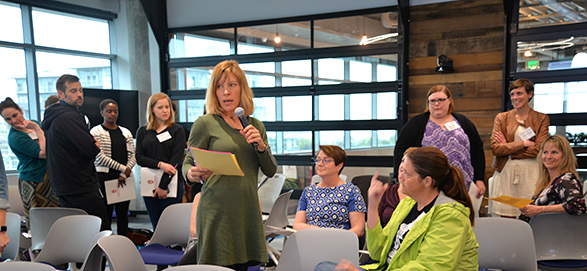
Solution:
(72, 266)
(272, 252)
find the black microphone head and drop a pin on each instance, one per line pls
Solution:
(239, 111)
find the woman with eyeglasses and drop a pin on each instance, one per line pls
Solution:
(454, 134)
(515, 142)
(331, 203)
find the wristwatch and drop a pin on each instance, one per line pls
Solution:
(3, 228)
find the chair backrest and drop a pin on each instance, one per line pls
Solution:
(316, 179)
(364, 181)
(174, 225)
(306, 248)
(121, 253)
(93, 261)
(69, 239)
(268, 191)
(505, 243)
(13, 224)
(25, 266)
(198, 267)
(278, 215)
(560, 236)
(41, 220)
(15, 200)
(97, 237)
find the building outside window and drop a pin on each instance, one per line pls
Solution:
(308, 91)
(30, 69)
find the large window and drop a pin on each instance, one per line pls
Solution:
(316, 86)
(63, 43)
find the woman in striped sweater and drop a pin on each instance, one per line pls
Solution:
(116, 158)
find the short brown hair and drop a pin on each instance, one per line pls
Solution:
(212, 104)
(66, 78)
(51, 100)
(525, 83)
(445, 90)
(337, 153)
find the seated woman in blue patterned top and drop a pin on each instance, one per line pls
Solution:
(332, 203)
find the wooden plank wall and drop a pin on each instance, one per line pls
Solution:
(471, 34)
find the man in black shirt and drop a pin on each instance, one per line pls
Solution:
(71, 151)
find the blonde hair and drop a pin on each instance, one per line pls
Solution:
(444, 89)
(568, 163)
(151, 123)
(228, 66)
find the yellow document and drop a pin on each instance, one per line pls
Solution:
(223, 163)
(516, 202)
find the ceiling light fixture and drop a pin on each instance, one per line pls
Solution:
(277, 38)
(378, 38)
(528, 53)
(364, 38)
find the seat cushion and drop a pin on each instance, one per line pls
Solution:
(160, 255)
(564, 263)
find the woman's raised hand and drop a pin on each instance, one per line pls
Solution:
(376, 189)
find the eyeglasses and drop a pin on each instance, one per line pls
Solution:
(325, 160)
(439, 101)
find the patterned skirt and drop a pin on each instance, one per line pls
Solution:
(519, 179)
(36, 194)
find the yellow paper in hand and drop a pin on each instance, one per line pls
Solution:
(516, 202)
(223, 163)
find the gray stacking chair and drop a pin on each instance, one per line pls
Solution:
(41, 220)
(25, 266)
(276, 223)
(505, 243)
(69, 240)
(269, 189)
(561, 242)
(121, 253)
(13, 224)
(306, 248)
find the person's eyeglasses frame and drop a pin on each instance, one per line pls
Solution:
(325, 161)
(438, 101)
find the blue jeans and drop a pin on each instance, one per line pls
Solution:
(329, 266)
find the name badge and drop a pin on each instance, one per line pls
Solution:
(164, 136)
(451, 125)
(527, 134)
(33, 135)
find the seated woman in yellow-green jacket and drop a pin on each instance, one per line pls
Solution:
(430, 229)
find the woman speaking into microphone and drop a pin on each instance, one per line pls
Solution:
(228, 222)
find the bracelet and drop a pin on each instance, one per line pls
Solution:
(543, 211)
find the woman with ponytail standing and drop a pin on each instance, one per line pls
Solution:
(430, 229)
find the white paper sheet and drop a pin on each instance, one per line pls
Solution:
(115, 194)
(150, 180)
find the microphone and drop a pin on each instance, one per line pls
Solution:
(240, 113)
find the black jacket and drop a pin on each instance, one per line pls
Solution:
(71, 151)
(413, 131)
